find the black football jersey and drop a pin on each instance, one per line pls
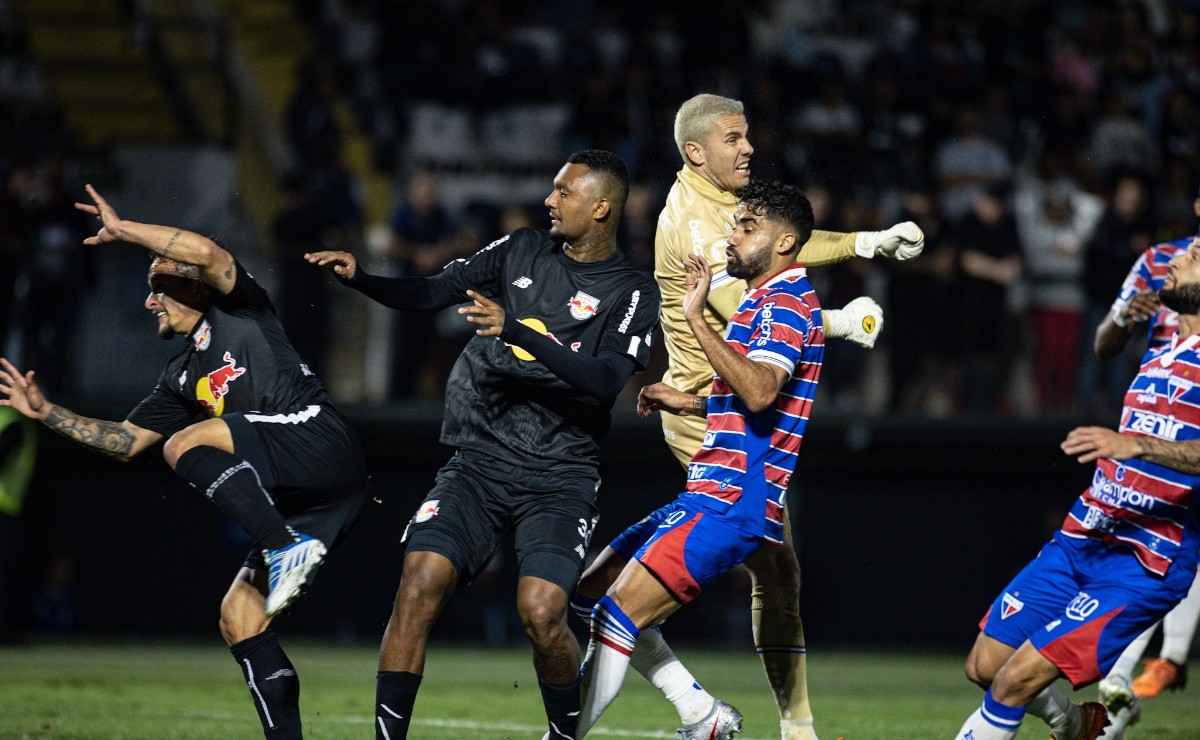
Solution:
(499, 398)
(237, 359)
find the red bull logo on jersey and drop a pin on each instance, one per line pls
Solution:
(1010, 605)
(203, 337)
(583, 306)
(211, 389)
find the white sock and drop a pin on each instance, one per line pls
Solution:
(1179, 627)
(978, 728)
(992, 721)
(1132, 654)
(653, 658)
(613, 638)
(1053, 707)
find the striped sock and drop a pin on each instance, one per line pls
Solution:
(992, 721)
(613, 638)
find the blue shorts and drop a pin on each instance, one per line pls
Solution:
(1080, 603)
(686, 547)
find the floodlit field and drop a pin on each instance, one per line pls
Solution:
(196, 691)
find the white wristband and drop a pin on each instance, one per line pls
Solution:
(1120, 320)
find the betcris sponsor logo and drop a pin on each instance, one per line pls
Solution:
(1156, 425)
(767, 314)
(1113, 493)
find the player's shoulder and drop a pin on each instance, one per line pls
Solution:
(1167, 250)
(526, 237)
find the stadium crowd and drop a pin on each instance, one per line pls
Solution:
(1041, 147)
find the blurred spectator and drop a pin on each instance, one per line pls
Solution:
(638, 224)
(61, 273)
(18, 450)
(14, 245)
(1124, 232)
(989, 262)
(1055, 220)
(967, 164)
(920, 315)
(305, 225)
(831, 130)
(1119, 142)
(309, 121)
(423, 240)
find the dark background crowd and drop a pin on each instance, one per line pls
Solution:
(1040, 146)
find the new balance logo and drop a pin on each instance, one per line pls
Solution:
(522, 282)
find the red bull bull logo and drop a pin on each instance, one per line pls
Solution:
(582, 305)
(212, 388)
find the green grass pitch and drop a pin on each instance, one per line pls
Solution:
(111, 691)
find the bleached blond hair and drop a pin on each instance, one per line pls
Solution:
(697, 115)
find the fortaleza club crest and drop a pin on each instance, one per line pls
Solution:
(583, 306)
(1011, 605)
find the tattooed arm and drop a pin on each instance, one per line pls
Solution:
(117, 439)
(1092, 443)
(216, 264)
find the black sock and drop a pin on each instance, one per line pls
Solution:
(233, 485)
(562, 708)
(273, 684)
(395, 694)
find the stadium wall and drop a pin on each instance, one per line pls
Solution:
(907, 530)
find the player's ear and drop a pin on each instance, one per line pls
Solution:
(601, 210)
(694, 152)
(787, 243)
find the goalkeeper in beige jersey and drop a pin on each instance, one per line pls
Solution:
(711, 134)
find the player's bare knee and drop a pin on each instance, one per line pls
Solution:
(542, 621)
(774, 566)
(177, 444)
(975, 672)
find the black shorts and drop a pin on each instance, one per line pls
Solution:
(477, 499)
(312, 465)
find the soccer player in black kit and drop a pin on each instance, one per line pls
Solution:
(563, 321)
(246, 423)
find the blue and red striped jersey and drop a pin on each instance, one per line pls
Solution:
(1148, 273)
(743, 469)
(1138, 504)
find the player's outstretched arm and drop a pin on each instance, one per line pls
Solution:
(117, 439)
(1114, 332)
(662, 397)
(216, 265)
(904, 241)
(601, 377)
(402, 293)
(1089, 444)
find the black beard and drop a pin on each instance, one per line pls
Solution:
(748, 269)
(1182, 299)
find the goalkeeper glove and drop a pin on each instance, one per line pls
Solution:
(859, 321)
(904, 241)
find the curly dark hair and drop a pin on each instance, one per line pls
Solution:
(612, 167)
(781, 202)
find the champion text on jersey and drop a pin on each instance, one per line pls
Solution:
(212, 388)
